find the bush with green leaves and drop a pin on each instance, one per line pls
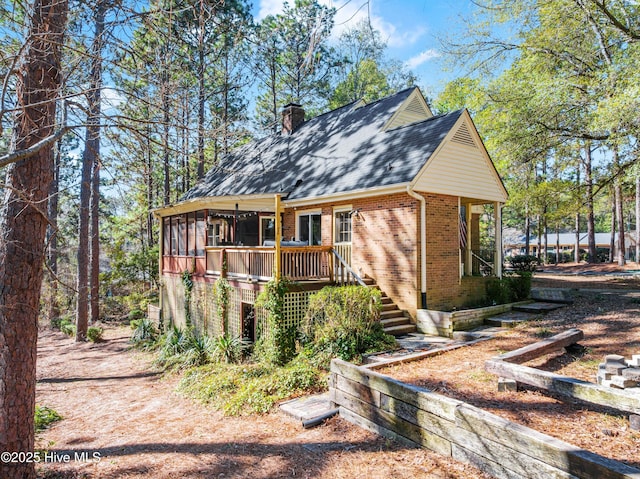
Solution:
(144, 332)
(227, 349)
(279, 345)
(524, 263)
(94, 334)
(45, 416)
(67, 327)
(183, 348)
(251, 388)
(344, 322)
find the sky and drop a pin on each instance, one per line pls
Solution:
(410, 27)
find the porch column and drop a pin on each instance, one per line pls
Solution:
(278, 259)
(497, 260)
(468, 251)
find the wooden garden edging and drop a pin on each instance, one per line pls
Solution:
(417, 416)
(503, 366)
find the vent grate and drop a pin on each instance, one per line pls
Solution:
(463, 136)
(415, 106)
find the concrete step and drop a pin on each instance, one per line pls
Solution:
(538, 307)
(395, 321)
(401, 330)
(510, 319)
(387, 300)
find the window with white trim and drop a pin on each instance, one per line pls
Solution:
(308, 228)
(342, 225)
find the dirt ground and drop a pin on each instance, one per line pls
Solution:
(129, 423)
(115, 406)
(607, 310)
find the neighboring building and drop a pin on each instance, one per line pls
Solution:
(382, 191)
(567, 241)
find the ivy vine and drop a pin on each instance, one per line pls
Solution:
(187, 282)
(279, 345)
(221, 297)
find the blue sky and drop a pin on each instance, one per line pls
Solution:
(410, 28)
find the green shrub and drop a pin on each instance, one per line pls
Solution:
(344, 322)
(227, 348)
(45, 416)
(135, 314)
(144, 332)
(94, 334)
(524, 263)
(279, 345)
(250, 388)
(184, 348)
(498, 291)
(55, 322)
(67, 327)
(520, 285)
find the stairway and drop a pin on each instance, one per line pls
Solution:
(394, 321)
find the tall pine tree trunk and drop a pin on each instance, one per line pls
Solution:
(576, 249)
(90, 159)
(52, 234)
(95, 177)
(592, 254)
(612, 241)
(638, 219)
(23, 228)
(617, 185)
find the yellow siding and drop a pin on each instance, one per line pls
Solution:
(460, 170)
(413, 109)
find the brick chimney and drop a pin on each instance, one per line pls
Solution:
(292, 118)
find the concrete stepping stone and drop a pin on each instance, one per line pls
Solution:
(537, 307)
(307, 407)
(510, 319)
(552, 295)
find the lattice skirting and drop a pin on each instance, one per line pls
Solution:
(205, 316)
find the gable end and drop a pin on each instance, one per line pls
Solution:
(412, 110)
(463, 136)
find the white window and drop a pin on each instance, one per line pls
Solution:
(267, 229)
(308, 227)
(342, 225)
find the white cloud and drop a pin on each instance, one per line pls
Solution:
(391, 35)
(421, 58)
(348, 14)
(111, 98)
(269, 7)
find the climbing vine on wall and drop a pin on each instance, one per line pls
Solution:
(221, 297)
(279, 344)
(187, 282)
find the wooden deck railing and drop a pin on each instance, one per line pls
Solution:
(298, 263)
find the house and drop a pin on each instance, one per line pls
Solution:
(516, 244)
(383, 193)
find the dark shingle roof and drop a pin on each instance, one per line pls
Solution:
(337, 152)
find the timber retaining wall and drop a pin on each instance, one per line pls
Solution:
(417, 416)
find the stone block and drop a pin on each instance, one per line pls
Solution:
(634, 422)
(634, 362)
(615, 368)
(505, 385)
(603, 374)
(614, 358)
(631, 373)
(621, 383)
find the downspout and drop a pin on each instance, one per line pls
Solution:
(423, 245)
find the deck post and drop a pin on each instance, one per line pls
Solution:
(468, 250)
(224, 267)
(497, 206)
(278, 259)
